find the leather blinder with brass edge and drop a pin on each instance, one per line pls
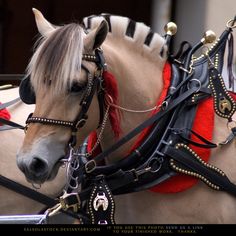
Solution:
(176, 166)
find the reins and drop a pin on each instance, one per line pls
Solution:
(8, 125)
(19, 188)
(37, 196)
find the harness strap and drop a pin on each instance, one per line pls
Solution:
(27, 192)
(91, 165)
(9, 125)
(34, 195)
(183, 133)
(193, 166)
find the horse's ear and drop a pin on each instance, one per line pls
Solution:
(44, 27)
(96, 37)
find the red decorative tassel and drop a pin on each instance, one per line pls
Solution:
(4, 113)
(112, 93)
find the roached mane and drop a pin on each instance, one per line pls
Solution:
(134, 32)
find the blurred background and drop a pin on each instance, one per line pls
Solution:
(18, 31)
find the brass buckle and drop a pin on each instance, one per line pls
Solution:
(137, 173)
(65, 205)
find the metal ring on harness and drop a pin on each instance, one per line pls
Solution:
(153, 163)
(198, 81)
(164, 105)
(231, 24)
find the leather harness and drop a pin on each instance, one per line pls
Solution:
(165, 152)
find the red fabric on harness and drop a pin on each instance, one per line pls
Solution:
(4, 113)
(203, 127)
(109, 80)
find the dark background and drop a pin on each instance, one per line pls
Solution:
(18, 31)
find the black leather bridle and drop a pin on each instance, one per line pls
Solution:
(95, 82)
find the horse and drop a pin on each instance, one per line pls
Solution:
(62, 72)
(14, 203)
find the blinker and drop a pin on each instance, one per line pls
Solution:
(26, 91)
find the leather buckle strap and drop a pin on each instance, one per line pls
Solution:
(66, 201)
(137, 173)
(70, 200)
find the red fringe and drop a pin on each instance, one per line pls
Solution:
(4, 113)
(112, 91)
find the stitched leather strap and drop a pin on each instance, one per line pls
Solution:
(188, 160)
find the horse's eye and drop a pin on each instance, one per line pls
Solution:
(78, 86)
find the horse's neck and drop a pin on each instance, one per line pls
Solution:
(139, 79)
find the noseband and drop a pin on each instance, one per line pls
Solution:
(94, 82)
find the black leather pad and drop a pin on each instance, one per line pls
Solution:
(26, 91)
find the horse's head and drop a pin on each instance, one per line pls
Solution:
(65, 78)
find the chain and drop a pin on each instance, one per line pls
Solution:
(134, 111)
(101, 132)
(109, 102)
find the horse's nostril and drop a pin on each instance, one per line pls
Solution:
(38, 166)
